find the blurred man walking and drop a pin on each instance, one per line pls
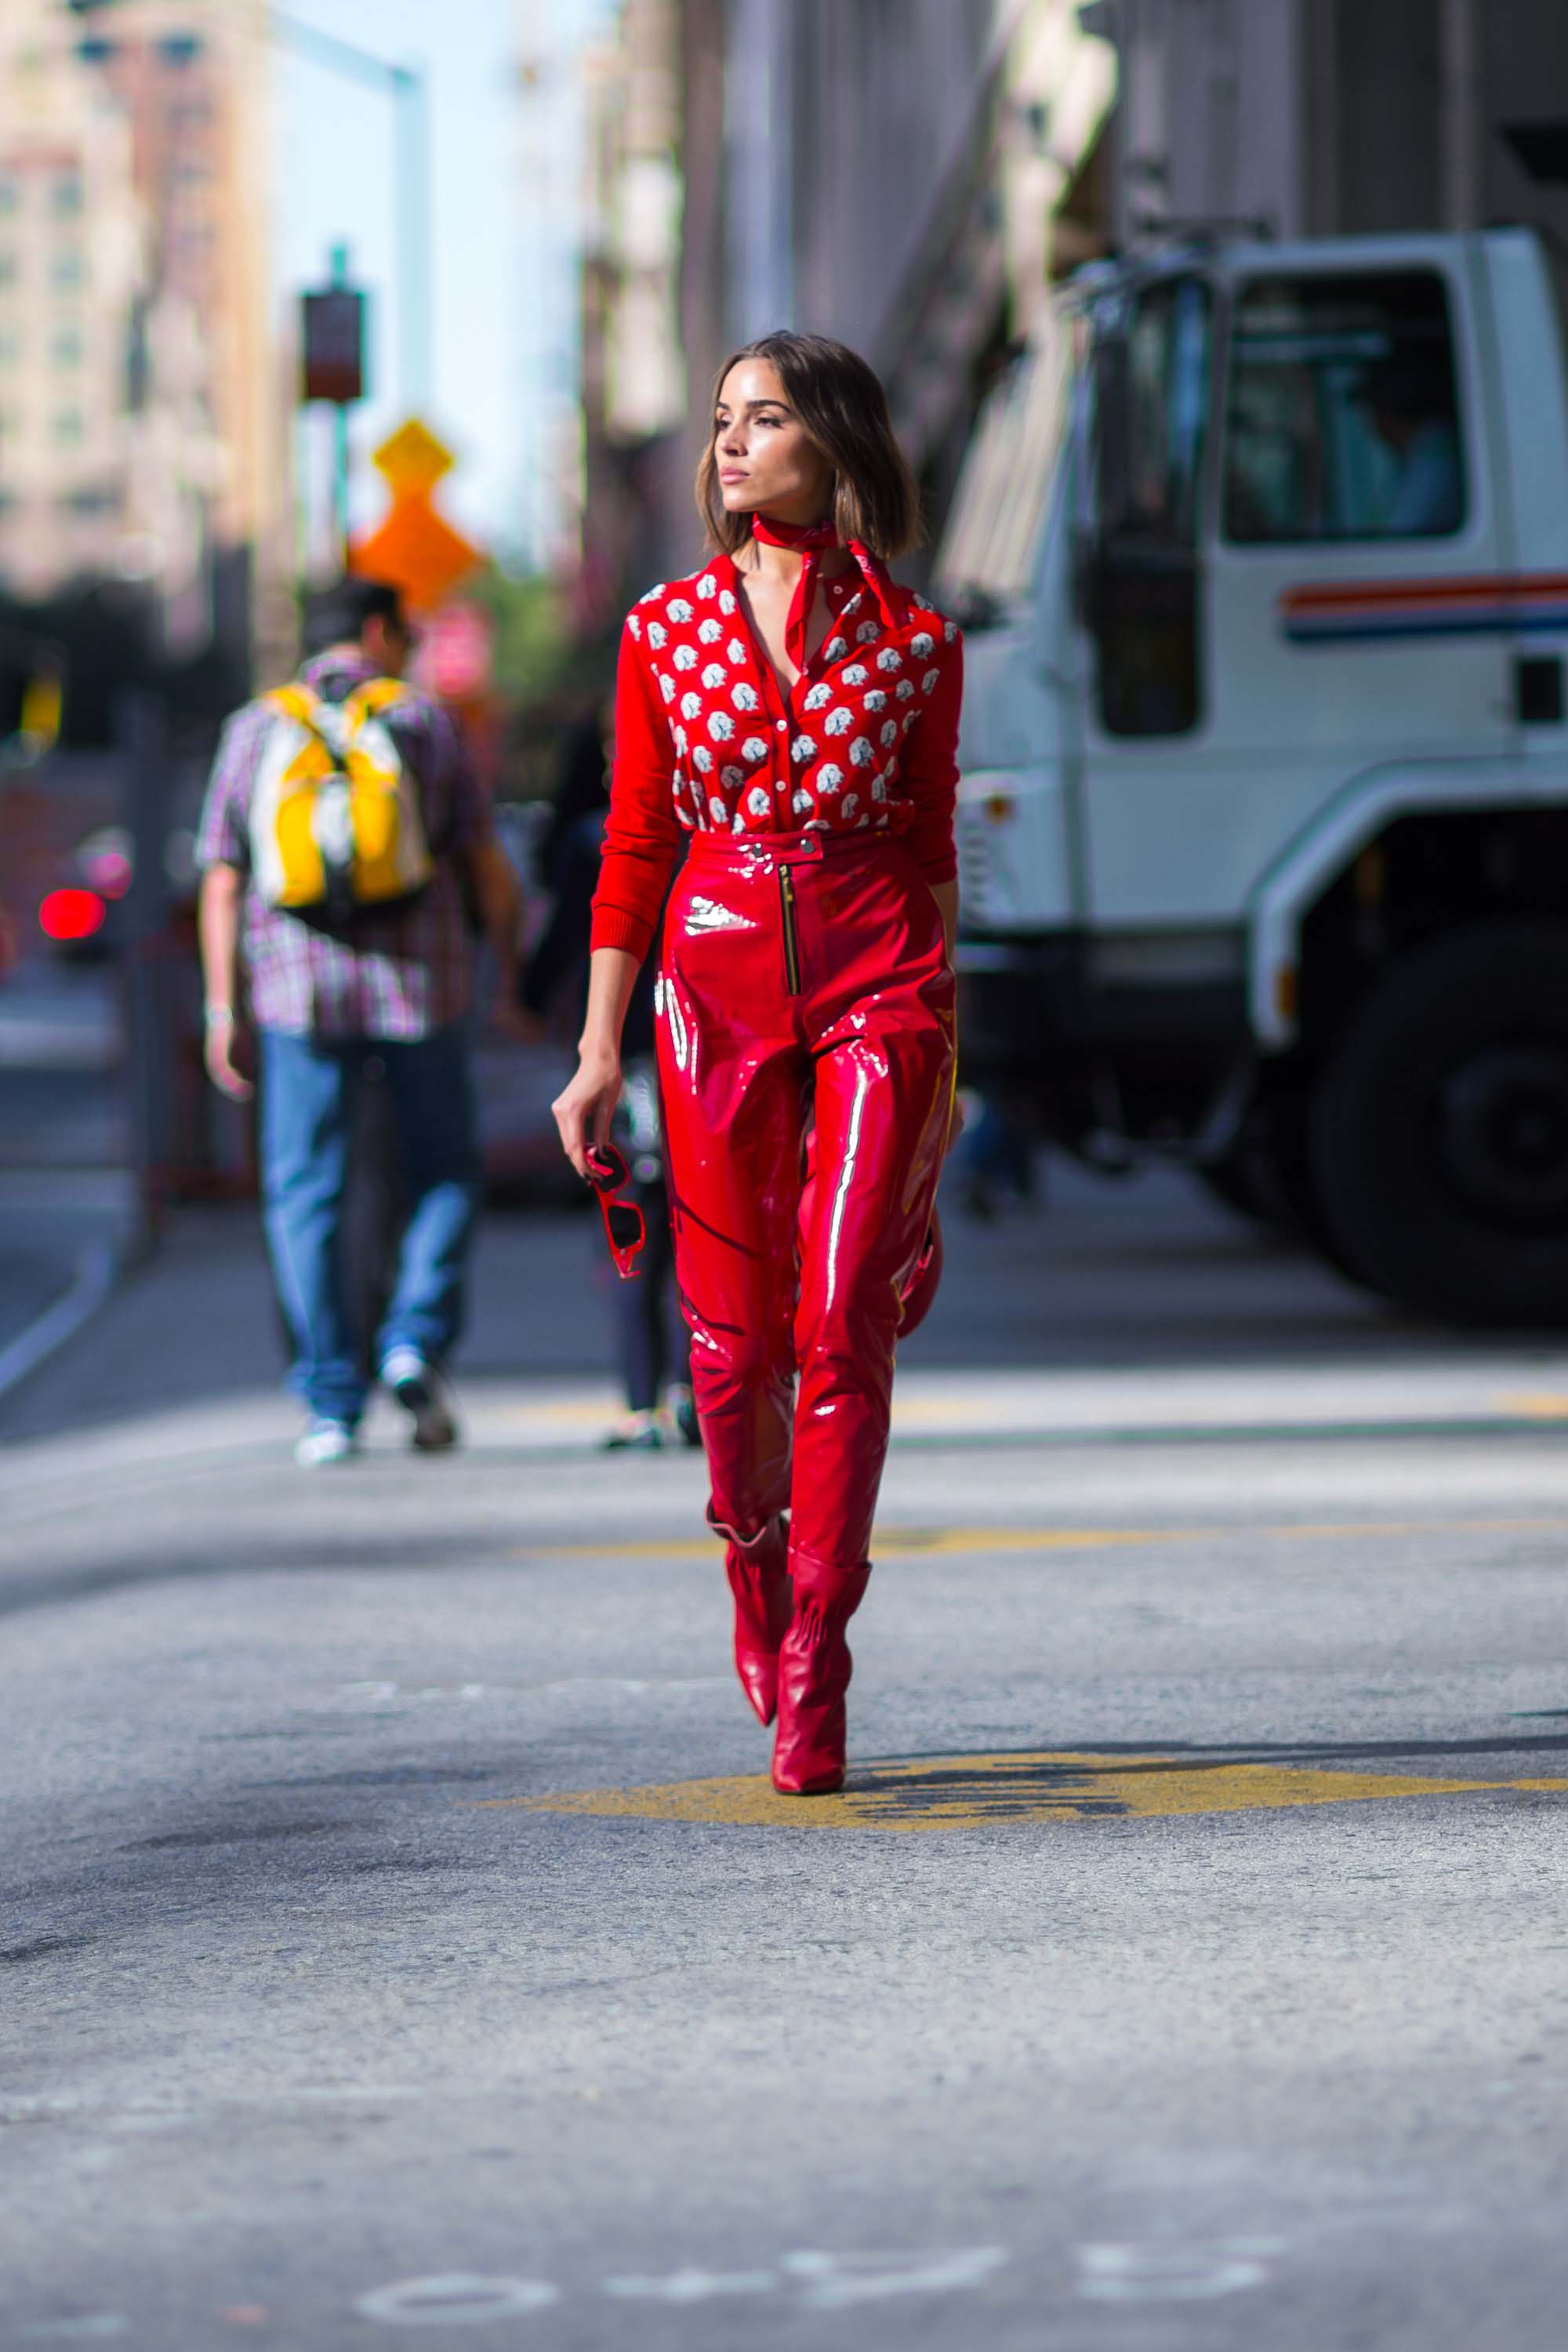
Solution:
(344, 840)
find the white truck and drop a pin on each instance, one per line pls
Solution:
(1263, 560)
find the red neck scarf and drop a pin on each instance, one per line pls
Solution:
(811, 541)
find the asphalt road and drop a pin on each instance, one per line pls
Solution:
(399, 1944)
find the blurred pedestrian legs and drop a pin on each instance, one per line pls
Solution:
(994, 1160)
(308, 1094)
(653, 1342)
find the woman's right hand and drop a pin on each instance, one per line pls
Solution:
(585, 1106)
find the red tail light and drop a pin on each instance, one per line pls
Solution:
(68, 914)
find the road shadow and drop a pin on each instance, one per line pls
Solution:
(1152, 1756)
(1178, 1777)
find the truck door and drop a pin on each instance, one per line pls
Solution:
(1142, 602)
(1350, 534)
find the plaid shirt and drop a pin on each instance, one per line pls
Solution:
(403, 972)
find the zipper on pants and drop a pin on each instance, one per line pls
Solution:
(791, 943)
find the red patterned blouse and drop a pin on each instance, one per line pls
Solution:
(705, 738)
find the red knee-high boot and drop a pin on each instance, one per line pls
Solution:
(757, 1568)
(815, 1667)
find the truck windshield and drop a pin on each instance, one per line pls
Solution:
(989, 550)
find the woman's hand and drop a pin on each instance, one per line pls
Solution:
(585, 1110)
(587, 1105)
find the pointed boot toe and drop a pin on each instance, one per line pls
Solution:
(758, 1676)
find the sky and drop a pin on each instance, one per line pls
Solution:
(504, 176)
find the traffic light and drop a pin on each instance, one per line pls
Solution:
(333, 345)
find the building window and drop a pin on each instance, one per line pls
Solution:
(101, 500)
(10, 346)
(65, 349)
(10, 194)
(66, 195)
(69, 270)
(7, 269)
(67, 428)
(1343, 416)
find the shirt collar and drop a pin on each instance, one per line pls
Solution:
(336, 668)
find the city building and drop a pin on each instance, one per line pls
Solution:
(71, 278)
(142, 402)
(908, 175)
(634, 378)
(1332, 118)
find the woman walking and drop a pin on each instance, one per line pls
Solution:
(795, 713)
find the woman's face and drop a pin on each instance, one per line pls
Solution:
(767, 462)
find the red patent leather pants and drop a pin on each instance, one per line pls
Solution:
(802, 974)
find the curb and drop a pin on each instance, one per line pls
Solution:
(96, 1276)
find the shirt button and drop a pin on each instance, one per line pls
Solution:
(784, 727)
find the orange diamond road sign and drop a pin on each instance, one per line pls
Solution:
(417, 552)
(414, 547)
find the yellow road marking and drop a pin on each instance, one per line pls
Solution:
(1536, 1404)
(937, 1412)
(894, 1541)
(581, 1415)
(963, 1792)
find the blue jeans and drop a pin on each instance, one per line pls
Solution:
(309, 1088)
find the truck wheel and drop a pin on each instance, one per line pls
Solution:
(1266, 1178)
(1437, 1134)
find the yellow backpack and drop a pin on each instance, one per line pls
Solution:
(335, 820)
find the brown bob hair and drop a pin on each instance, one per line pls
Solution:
(841, 402)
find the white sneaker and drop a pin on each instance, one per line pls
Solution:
(324, 1441)
(680, 1409)
(421, 1391)
(642, 1433)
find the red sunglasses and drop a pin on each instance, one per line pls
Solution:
(624, 1227)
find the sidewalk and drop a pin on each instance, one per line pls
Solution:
(56, 1016)
(66, 1204)
(65, 1235)
(1123, 1311)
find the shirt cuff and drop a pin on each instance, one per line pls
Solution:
(616, 926)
